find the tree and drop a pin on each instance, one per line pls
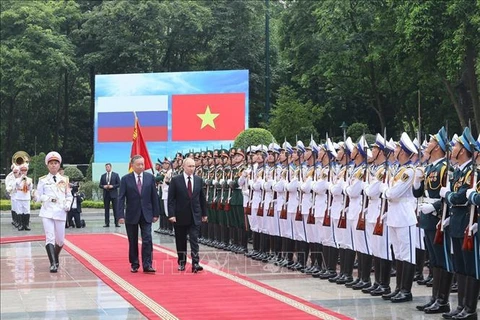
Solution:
(253, 137)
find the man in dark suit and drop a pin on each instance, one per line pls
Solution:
(109, 183)
(138, 190)
(187, 209)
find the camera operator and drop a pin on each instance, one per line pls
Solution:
(76, 208)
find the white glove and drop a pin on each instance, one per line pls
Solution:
(419, 174)
(474, 228)
(469, 192)
(44, 198)
(443, 191)
(222, 181)
(383, 187)
(214, 182)
(446, 222)
(427, 208)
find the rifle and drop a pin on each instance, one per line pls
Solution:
(222, 188)
(227, 207)
(271, 211)
(468, 242)
(361, 216)
(261, 204)
(298, 215)
(248, 208)
(311, 215)
(326, 218)
(378, 229)
(439, 232)
(342, 222)
(283, 212)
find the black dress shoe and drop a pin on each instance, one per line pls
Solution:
(390, 295)
(371, 288)
(426, 305)
(196, 268)
(402, 297)
(380, 291)
(106, 226)
(134, 270)
(437, 307)
(452, 313)
(149, 270)
(181, 267)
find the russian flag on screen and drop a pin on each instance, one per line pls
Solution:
(116, 118)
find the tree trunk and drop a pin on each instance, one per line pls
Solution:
(456, 105)
(66, 113)
(472, 84)
(92, 100)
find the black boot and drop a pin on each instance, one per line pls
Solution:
(14, 218)
(366, 270)
(405, 293)
(471, 299)
(420, 262)
(21, 219)
(399, 271)
(436, 285)
(376, 283)
(57, 253)
(384, 287)
(442, 279)
(27, 222)
(348, 280)
(462, 289)
(51, 256)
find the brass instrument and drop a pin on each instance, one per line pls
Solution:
(20, 157)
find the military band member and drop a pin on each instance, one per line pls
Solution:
(12, 192)
(23, 185)
(427, 185)
(464, 261)
(53, 192)
(401, 220)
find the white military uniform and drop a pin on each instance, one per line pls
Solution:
(23, 194)
(56, 200)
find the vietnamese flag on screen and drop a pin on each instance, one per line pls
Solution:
(207, 116)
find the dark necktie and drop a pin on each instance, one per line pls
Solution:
(139, 184)
(189, 187)
(55, 179)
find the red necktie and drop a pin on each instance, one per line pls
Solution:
(139, 184)
(189, 187)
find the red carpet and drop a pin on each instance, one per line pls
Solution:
(27, 238)
(170, 294)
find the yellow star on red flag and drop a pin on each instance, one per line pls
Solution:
(207, 118)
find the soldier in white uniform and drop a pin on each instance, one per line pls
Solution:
(402, 221)
(376, 208)
(11, 189)
(53, 192)
(23, 186)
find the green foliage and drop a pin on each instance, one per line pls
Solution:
(73, 173)
(253, 137)
(356, 130)
(91, 190)
(5, 205)
(89, 170)
(37, 167)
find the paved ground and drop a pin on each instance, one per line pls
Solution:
(29, 291)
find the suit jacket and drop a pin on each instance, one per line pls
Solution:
(181, 206)
(132, 204)
(114, 181)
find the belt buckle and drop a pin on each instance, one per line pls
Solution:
(54, 200)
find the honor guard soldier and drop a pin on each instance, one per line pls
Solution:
(284, 222)
(323, 200)
(53, 192)
(308, 209)
(379, 240)
(465, 261)
(236, 203)
(258, 200)
(401, 220)
(210, 190)
(426, 186)
(338, 209)
(356, 214)
(245, 182)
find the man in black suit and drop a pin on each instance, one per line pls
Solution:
(187, 209)
(138, 190)
(109, 183)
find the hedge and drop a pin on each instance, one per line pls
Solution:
(5, 205)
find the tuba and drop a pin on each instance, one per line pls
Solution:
(20, 157)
